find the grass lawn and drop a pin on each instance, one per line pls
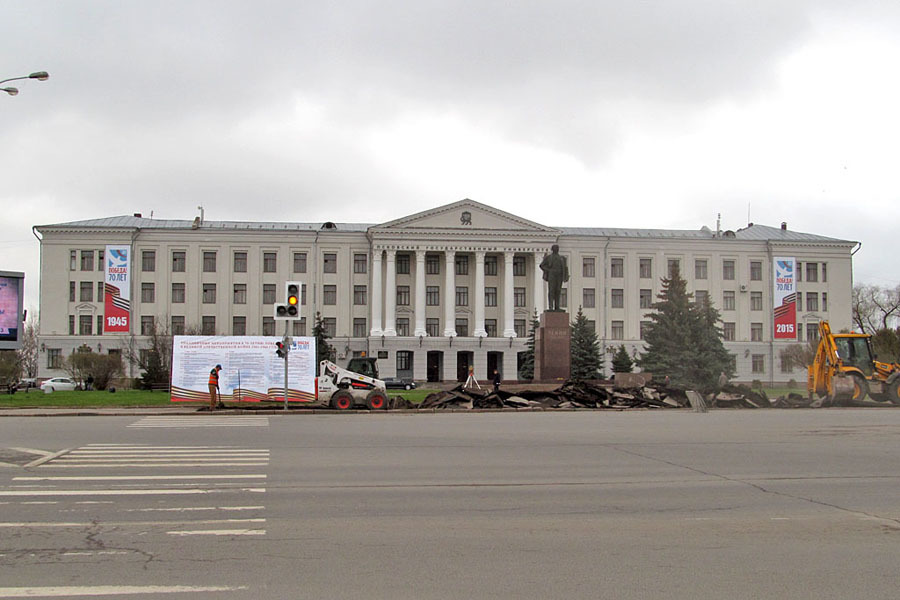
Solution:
(95, 399)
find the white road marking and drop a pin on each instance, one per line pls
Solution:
(166, 464)
(220, 532)
(125, 523)
(204, 421)
(109, 590)
(193, 508)
(139, 477)
(138, 492)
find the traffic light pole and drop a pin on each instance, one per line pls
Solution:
(287, 351)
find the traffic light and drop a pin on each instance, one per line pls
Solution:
(289, 310)
(280, 350)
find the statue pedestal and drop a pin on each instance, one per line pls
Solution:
(552, 348)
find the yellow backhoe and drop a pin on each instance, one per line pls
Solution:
(845, 368)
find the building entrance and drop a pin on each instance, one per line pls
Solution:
(435, 365)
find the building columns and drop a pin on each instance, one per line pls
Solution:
(376, 294)
(390, 295)
(450, 294)
(479, 294)
(509, 329)
(420, 294)
(538, 285)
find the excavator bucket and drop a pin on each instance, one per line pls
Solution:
(842, 387)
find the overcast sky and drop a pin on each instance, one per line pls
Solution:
(596, 113)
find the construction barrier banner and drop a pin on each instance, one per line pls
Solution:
(251, 371)
(117, 289)
(785, 304)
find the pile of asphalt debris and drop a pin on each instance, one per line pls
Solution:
(600, 395)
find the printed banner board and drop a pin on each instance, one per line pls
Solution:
(251, 371)
(12, 292)
(117, 289)
(785, 305)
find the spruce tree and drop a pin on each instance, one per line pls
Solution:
(622, 361)
(585, 350)
(684, 342)
(527, 370)
(324, 351)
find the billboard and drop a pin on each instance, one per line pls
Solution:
(251, 372)
(12, 296)
(785, 296)
(117, 290)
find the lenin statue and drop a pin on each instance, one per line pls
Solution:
(556, 272)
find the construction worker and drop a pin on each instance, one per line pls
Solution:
(214, 388)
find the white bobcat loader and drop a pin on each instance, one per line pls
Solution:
(342, 389)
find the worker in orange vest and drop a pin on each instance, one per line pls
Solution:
(214, 388)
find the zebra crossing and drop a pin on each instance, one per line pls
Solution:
(186, 421)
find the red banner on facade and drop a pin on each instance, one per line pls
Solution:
(117, 290)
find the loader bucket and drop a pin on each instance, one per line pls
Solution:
(842, 387)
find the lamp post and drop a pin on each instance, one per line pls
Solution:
(39, 75)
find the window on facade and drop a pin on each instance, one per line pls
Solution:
(756, 301)
(86, 293)
(87, 260)
(359, 327)
(490, 326)
(587, 298)
(617, 298)
(359, 295)
(86, 324)
(518, 266)
(100, 261)
(824, 301)
(402, 264)
(209, 262)
(71, 324)
(645, 268)
(179, 262)
(564, 298)
(299, 262)
(99, 291)
(148, 261)
(490, 264)
(617, 330)
(146, 325)
(240, 293)
(404, 360)
(99, 324)
(756, 332)
(519, 296)
(432, 295)
(177, 325)
(432, 327)
(755, 270)
(299, 327)
(240, 262)
(799, 271)
(728, 300)
(329, 263)
(329, 295)
(799, 331)
(812, 272)
(268, 326)
(812, 301)
(644, 329)
(238, 325)
(490, 296)
(73, 259)
(54, 358)
(403, 326)
(758, 363)
(148, 292)
(674, 266)
(71, 291)
(360, 263)
(462, 326)
(728, 270)
(520, 327)
(402, 295)
(824, 272)
(728, 331)
(177, 293)
(701, 296)
(812, 333)
(209, 293)
(462, 264)
(646, 298)
(591, 324)
(462, 295)
(799, 301)
(433, 264)
(787, 365)
(617, 267)
(269, 293)
(587, 267)
(700, 269)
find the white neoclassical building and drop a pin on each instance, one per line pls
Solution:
(433, 293)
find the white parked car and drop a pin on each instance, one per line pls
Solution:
(58, 384)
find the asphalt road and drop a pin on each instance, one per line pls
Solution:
(661, 504)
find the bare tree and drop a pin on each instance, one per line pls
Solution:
(154, 357)
(799, 356)
(875, 307)
(28, 354)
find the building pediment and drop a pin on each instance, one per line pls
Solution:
(462, 217)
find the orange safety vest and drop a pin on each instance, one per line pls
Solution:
(214, 378)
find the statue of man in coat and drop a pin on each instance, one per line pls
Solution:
(556, 272)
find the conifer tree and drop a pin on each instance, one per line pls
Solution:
(324, 351)
(585, 350)
(684, 341)
(527, 370)
(622, 361)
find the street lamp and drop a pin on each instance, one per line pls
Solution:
(39, 75)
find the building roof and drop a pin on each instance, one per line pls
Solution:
(752, 232)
